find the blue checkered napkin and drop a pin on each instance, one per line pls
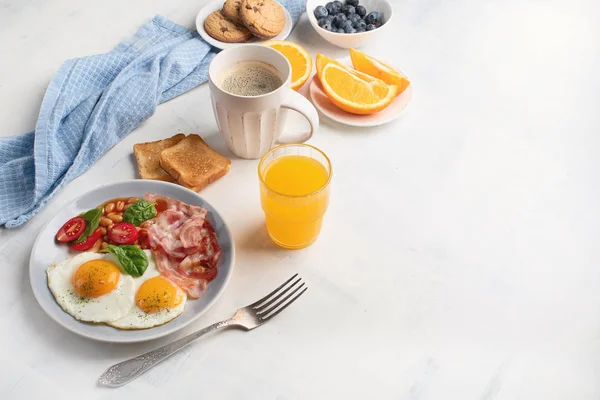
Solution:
(92, 103)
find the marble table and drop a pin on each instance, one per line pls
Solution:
(458, 258)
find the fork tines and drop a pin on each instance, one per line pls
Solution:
(271, 305)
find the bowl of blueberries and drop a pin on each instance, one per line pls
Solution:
(350, 23)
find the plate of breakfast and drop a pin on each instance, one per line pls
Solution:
(227, 24)
(131, 261)
(359, 90)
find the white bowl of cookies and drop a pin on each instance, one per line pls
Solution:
(229, 23)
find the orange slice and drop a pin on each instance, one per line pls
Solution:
(378, 69)
(299, 59)
(323, 60)
(355, 92)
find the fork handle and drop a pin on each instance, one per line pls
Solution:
(126, 371)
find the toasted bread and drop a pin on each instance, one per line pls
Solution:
(147, 156)
(193, 163)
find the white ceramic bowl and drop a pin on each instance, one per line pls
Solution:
(348, 40)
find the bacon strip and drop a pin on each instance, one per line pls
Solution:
(173, 204)
(205, 239)
(168, 268)
(191, 233)
(184, 244)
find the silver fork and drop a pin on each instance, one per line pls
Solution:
(247, 318)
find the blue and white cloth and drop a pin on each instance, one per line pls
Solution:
(92, 103)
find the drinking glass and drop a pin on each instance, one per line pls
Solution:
(294, 215)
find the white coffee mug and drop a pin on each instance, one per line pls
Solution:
(251, 125)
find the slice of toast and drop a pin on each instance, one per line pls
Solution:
(193, 163)
(147, 156)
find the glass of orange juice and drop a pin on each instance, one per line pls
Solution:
(294, 192)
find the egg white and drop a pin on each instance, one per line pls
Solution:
(138, 318)
(105, 308)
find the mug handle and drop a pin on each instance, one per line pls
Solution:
(295, 101)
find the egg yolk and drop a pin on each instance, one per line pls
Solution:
(157, 294)
(96, 278)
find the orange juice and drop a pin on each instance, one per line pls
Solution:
(294, 197)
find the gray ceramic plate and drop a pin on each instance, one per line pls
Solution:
(46, 252)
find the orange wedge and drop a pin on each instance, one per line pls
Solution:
(378, 69)
(299, 59)
(355, 92)
(323, 60)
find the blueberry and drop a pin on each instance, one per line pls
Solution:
(349, 10)
(361, 11)
(329, 7)
(354, 18)
(360, 24)
(350, 30)
(338, 5)
(353, 3)
(325, 21)
(321, 12)
(360, 30)
(338, 20)
(370, 27)
(328, 26)
(340, 30)
(373, 18)
(347, 24)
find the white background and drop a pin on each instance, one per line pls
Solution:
(459, 257)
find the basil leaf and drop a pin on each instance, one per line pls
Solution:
(139, 212)
(133, 260)
(92, 218)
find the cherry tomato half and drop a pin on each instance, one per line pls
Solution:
(89, 242)
(123, 233)
(71, 230)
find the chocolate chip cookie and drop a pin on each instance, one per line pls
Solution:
(231, 10)
(222, 29)
(264, 18)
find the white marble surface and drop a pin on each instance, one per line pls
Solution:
(459, 258)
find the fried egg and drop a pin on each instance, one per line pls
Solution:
(157, 300)
(92, 287)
